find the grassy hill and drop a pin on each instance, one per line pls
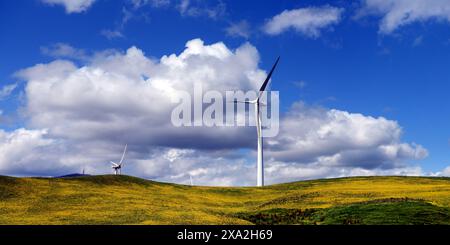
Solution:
(122, 199)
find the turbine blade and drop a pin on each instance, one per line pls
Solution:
(264, 85)
(123, 155)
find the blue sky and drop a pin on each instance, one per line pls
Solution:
(352, 65)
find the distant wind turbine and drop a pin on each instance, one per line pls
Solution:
(118, 166)
(257, 103)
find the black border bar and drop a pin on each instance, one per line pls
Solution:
(300, 234)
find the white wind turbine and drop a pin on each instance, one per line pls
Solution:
(258, 103)
(118, 166)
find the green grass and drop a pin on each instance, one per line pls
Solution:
(387, 213)
(382, 212)
(122, 199)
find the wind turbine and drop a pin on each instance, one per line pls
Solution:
(118, 166)
(258, 103)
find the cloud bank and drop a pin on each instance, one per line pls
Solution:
(80, 116)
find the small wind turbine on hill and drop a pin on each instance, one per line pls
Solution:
(258, 103)
(118, 166)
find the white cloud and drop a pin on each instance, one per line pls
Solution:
(307, 21)
(206, 167)
(20, 151)
(239, 29)
(64, 50)
(125, 97)
(446, 171)
(281, 172)
(338, 138)
(72, 6)
(7, 90)
(90, 111)
(398, 13)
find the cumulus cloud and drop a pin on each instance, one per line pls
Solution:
(20, 150)
(82, 115)
(281, 172)
(339, 138)
(72, 6)
(307, 21)
(33, 152)
(397, 13)
(219, 168)
(128, 96)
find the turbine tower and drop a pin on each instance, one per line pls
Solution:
(118, 166)
(257, 103)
